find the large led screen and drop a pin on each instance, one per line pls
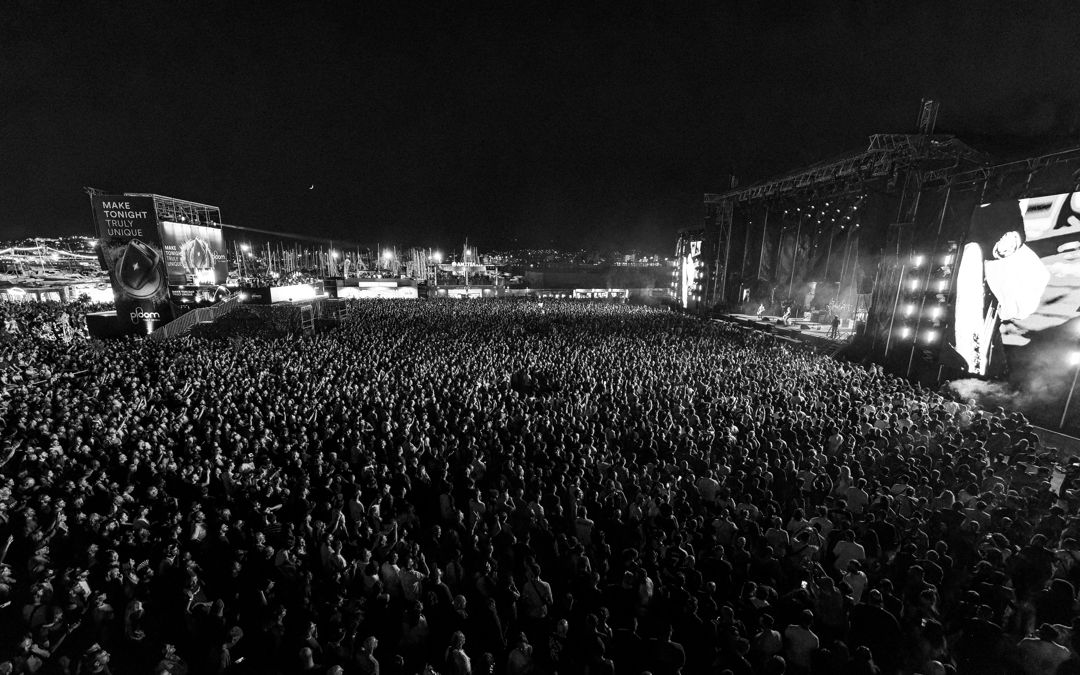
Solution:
(1018, 281)
(194, 254)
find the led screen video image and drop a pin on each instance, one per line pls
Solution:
(194, 254)
(1018, 283)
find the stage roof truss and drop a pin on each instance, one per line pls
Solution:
(885, 155)
(946, 177)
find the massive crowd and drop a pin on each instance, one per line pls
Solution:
(520, 488)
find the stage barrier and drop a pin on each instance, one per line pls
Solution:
(183, 325)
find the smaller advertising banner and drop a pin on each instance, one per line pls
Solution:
(380, 291)
(259, 295)
(270, 295)
(131, 252)
(294, 293)
(187, 298)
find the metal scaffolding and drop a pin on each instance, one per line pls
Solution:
(182, 211)
(716, 280)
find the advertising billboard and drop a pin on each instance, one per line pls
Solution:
(130, 249)
(1018, 282)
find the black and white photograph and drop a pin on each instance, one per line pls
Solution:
(539, 338)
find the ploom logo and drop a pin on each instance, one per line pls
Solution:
(141, 314)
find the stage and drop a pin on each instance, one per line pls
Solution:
(802, 331)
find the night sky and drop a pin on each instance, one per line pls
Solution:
(570, 123)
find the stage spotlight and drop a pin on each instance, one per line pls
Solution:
(909, 309)
(905, 332)
(948, 260)
(914, 284)
(1074, 359)
(918, 260)
(935, 313)
(942, 285)
(930, 336)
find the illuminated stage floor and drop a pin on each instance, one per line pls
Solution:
(798, 330)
